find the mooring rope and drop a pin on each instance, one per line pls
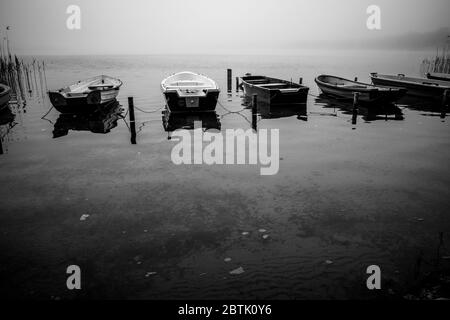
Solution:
(228, 110)
(46, 114)
(153, 111)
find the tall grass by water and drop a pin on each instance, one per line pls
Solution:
(23, 76)
(440, 63)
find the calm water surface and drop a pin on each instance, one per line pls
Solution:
(346, 196)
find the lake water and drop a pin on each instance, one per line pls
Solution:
(346, 196)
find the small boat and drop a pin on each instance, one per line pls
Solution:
(83, 94)
(439, 76)
(190, 92)
(5, 95)
(274, 91)
(419, 87)
(368, 93)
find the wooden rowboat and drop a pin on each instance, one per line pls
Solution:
(439, 76)
(83, 94)
(419, 87)
(273, 91)
(368, 93)
(190, 92)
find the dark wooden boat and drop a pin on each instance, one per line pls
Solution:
(439, 76)
(190, 92)
(273, 91)
(82, 95)
(5, 95)
(419, 87)
(368, 93)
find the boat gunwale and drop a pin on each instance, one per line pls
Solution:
(65, 91)
(299, 87)
(165, 88)
(368, 87)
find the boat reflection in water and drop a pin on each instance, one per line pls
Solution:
(369, 112)
(172, 121)
(431, 107)
(102, 119)
(269, 111)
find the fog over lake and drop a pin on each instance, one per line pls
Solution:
(232, 26)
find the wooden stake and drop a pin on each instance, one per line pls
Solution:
(355, 108)
(132, 120)
(254, 112)
(444, 103)
(229, 83)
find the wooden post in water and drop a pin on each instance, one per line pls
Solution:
(237, 84)
(356, 79)
(254, 112)
(355, 107)
(229, 83)
(300, 81)
(132, 120)
(444, 104)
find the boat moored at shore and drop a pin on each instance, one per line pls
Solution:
(368, 93)
(83, 94)
(273, 91)
(190, 92)
(418, 87)
(439, 76)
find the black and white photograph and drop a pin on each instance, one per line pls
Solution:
(251, 151)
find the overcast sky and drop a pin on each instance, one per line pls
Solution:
(210, 26)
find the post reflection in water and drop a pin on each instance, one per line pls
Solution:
(101, 119)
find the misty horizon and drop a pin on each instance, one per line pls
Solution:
(229, 27)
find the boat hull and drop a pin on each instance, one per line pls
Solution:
(345, 89)
(81, 103)
(439, 76)
(177, 103)
(426, 89)
(285, 94)
(365, 97)
(5, 96)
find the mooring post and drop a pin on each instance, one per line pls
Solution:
(356, 79)
(444, 103)
(237, 84)
(355, 107)
(229, 76)
(300, 81)
(132, 120)
(254, 112)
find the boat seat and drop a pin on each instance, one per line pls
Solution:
(187, 84)
(260, 81)
(274, 84)
(353, 86)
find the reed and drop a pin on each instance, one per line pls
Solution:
(440, 63)
(19, 74)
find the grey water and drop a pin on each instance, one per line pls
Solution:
(346, 196)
